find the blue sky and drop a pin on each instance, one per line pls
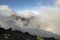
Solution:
(19, 5)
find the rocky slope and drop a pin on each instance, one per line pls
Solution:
(9, 34)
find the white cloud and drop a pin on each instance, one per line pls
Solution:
(48, 18)
(27, 13)
(5, 10)
(57, 2)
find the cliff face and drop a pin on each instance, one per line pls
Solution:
(9, 34)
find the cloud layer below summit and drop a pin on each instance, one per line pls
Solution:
(43, 17)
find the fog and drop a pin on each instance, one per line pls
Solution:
(46, 23)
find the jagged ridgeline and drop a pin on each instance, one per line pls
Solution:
(9, 34)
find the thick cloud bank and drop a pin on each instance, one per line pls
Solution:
(46, 23)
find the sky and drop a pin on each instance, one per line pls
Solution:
(19, 5)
